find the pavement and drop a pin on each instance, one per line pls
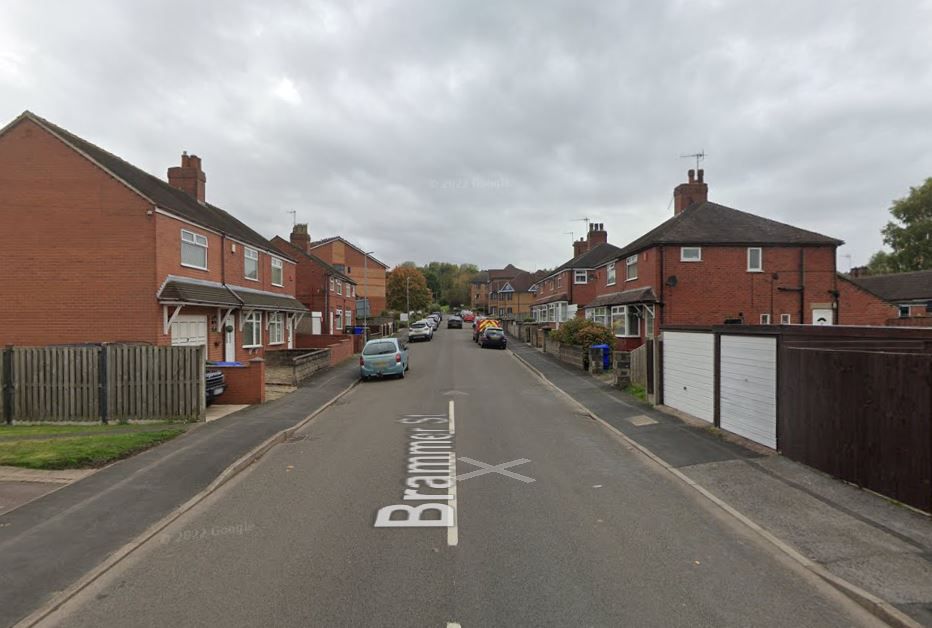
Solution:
(868, 541)
(51, 542)
(554, 521)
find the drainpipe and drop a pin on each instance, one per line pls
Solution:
(660, 305)
(802, 285)
(326, 313)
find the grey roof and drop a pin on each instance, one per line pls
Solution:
(261, 300)
(182, 290)
(156, 190)
(636, 295)
(710, 223)
(912, 286)
(592, 258)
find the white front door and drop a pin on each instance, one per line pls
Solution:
(229, 342)
(189, 330)
(823, 317)
(330, 327)
(291, 332)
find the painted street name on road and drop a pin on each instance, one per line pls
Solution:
(431, 477)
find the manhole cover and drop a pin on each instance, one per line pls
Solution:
(641, 420)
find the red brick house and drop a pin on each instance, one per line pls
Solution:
(329, 294)
(907, 297)
(105, 252)
(369, 273)
(710, 264)
(512, 298)
(570, 286)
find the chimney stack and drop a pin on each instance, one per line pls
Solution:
(189, 177)
(300, 238)
(580, 246)
(597, 235)
(693, 192)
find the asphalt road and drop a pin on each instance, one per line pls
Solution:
(601, 537)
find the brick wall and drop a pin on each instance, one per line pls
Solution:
(78, 248)
(245, 384)
(341, 346)
(859, 307)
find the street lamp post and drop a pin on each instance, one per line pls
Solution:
(408, 300)
(365, 301)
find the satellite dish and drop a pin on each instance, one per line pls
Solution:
(671, 281)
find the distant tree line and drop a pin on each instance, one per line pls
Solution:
(434, 284)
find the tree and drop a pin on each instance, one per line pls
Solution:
(449, 282)
(909, 234)
(395, 289)
(880, 263)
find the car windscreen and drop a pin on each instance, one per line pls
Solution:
(418, 325)
(379, 348)
(492, 331)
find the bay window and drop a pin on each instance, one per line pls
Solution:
(625, 321)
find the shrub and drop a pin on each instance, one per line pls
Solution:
(582, 332)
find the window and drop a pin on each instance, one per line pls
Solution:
(755, 260)
(610, 275)
(508, 296)
(332, 284)
(348, 317)
(580, 276)
(338, 325)
(786, 319)
(552, 312)
(691, 254)
(251, 264)
(765, 319)
(559, 280)
(904, 311)
(600, 315)
(276, 328)
(631, 268)
(352, 290)
(193, 250)
(252, 330)
(648, 321)
(624, 322)
(339, 287)
(509, 311)
(278, 272)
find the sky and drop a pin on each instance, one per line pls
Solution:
(483, 132)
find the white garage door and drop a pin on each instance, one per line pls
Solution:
(689, 373)
(749, 388)
(189, 330)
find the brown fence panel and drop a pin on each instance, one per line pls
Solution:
(639, 366)
(55, 383)
(145, 382)
(863, 416)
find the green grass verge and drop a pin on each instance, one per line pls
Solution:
(50, 429)
(81, 452)
(637, 391)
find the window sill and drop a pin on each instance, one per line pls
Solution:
(755, 270)
(278, 285)
(252, 346)
(690, 260)
(632, 279)
(610, 284)
(277, 343)
(204, 268)
(251, 279)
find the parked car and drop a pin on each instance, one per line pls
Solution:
(215, 385)
(421, 330)
(493, 337)
(439, 315)
(382, 357)
(454, 322)
(433, 321)
(469, 317)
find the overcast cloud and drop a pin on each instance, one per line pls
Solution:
(478, 132)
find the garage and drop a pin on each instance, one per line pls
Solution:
(749, 387)
(689, 373)
(189, 330)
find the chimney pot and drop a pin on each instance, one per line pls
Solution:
(694, 191)
(700, 174)
(300, 238)
(692, 175)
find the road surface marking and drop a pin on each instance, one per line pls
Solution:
(453, 535)
(498, 468)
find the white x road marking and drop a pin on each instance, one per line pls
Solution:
(498, 468)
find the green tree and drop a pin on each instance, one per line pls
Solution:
(583, 332)
(880, 264)
(404, 282)
(909, 234)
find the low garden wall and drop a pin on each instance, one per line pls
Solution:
(341, 346)
(245, 383)
(290, 367)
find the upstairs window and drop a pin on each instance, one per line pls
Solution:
(332, 284)
(786, 319)
(765, 319)
(580, 276)
(339, 287)
(251, 264)
(691, 254)
(559, 280)
(278, 272)
(631, 268)
(193, 250)
(904, 311)
(755, 260)
(610, 275)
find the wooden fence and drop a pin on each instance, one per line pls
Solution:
(102, 382)
(639, 366)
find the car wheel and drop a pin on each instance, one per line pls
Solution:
(401, 375)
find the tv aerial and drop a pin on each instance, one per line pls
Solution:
(699, 157)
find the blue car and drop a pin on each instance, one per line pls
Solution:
(383, 357)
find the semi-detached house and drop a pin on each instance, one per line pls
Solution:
(97, 250)
(711, 265)
(572, 285)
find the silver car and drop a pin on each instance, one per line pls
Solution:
(421, 330)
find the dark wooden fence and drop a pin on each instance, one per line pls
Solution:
(102, 383)
(863, 416)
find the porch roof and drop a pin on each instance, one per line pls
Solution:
(262, 300)
(196, 292)
(636, 295)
